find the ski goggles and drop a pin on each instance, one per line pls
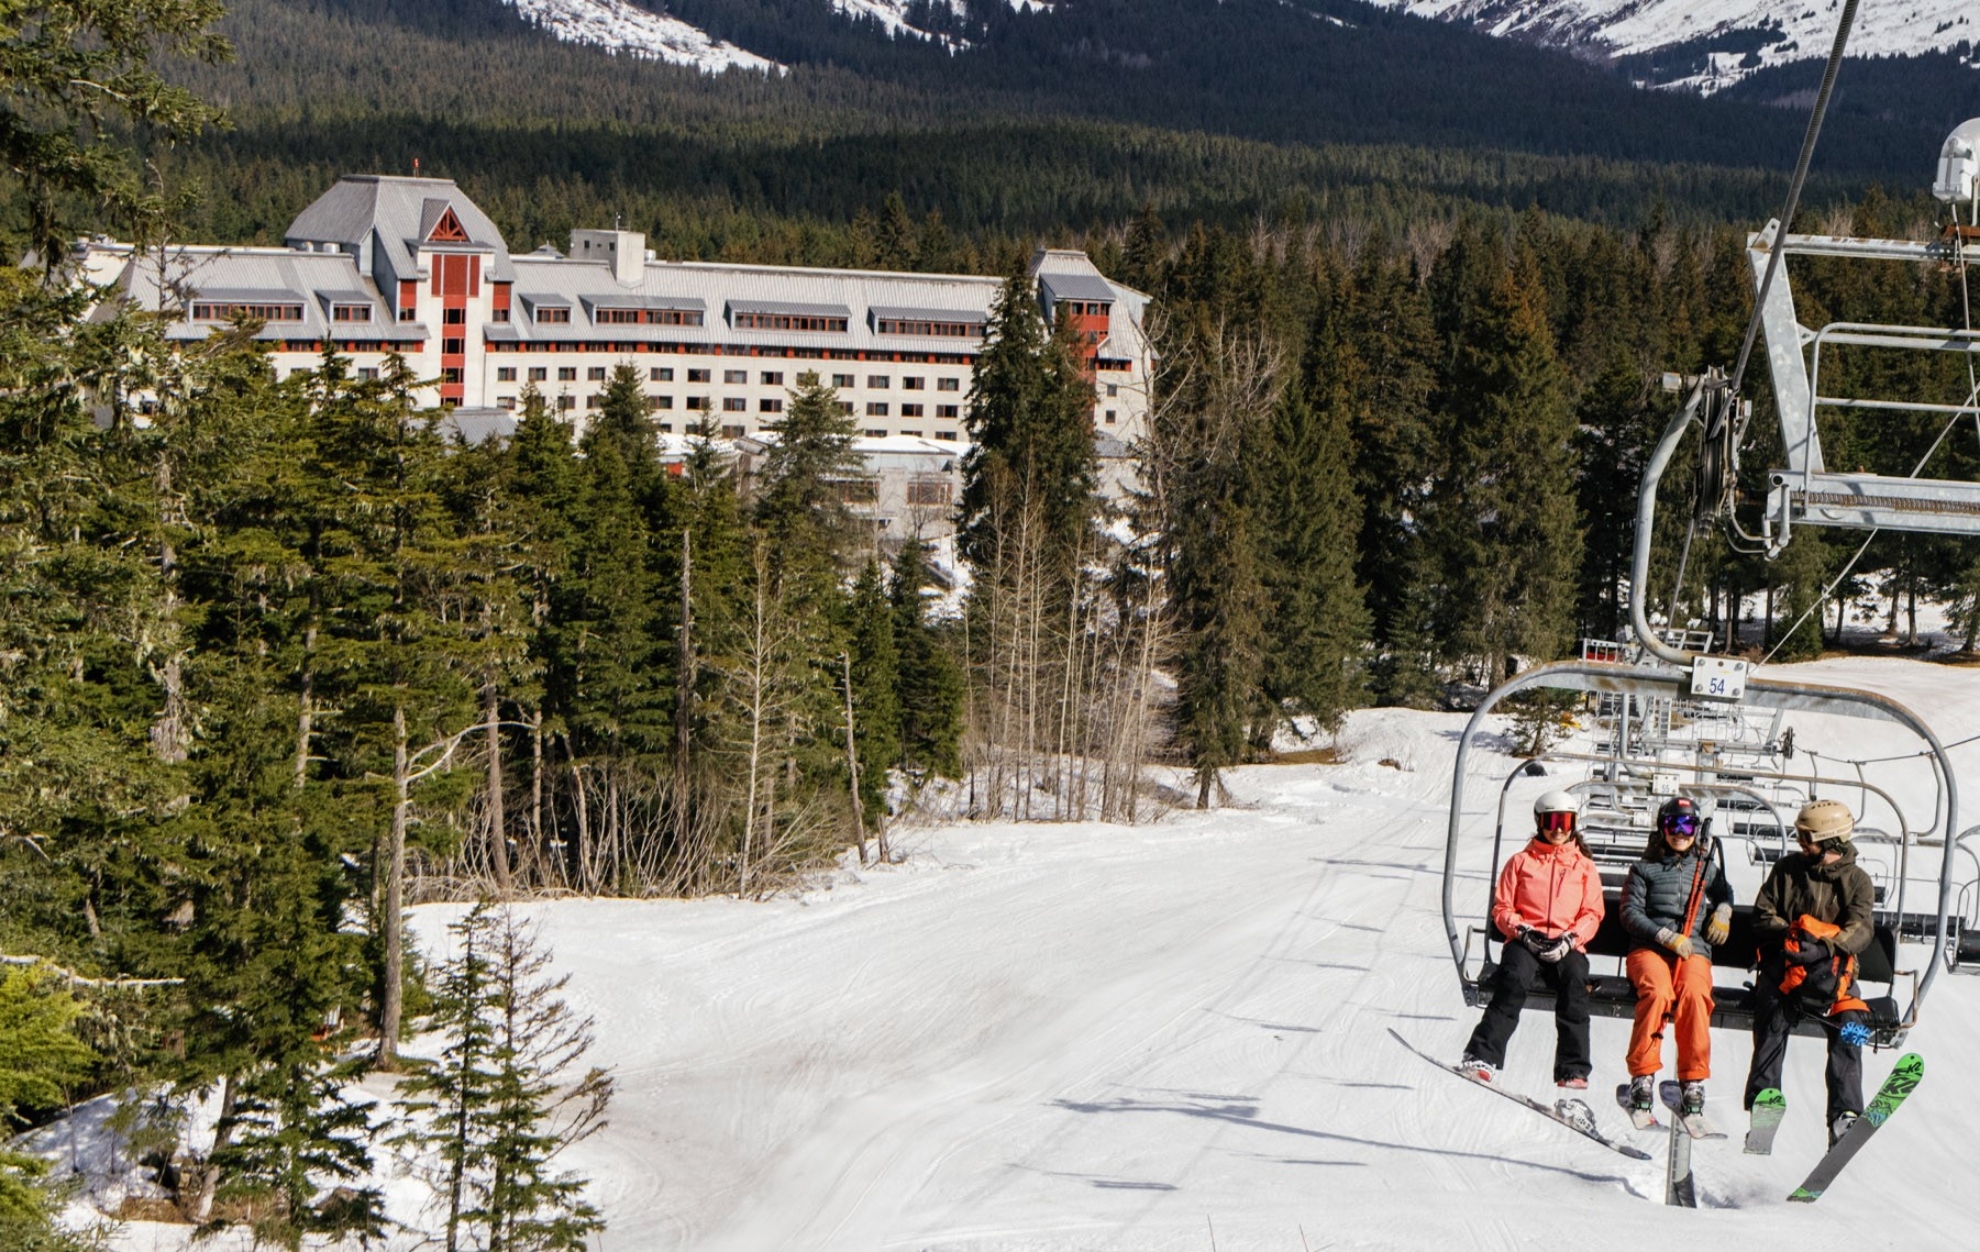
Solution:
(1562, 819)
(1683, 826)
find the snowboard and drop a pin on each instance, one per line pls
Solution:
(1571, 1113)
(1769, 1107)
(1680, 1188)
(1695, 1124)
(1889, 1098)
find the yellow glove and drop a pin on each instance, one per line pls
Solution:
(1680, 944)
(1719, 929)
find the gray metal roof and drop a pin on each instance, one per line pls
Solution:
(691, 304)
(1060, 286)
(902, 313)
(789, 307)
(179, 276)
(377, 214)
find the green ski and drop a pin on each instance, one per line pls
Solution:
(1901, 1083)
(1769, 1107)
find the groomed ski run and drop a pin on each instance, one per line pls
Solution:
(1070, 1038)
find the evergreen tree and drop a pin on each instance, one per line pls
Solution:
(930, 691)
(876, 684)
(802, 487)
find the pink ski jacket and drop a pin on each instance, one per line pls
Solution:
(1555, 890)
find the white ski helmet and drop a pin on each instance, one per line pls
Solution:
(1556, 801)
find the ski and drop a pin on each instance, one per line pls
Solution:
(1901, 1083)
(1570, 1113)
(1680, 1188)
(1641, 1119)
(1768, 1109)
(1695, 1125)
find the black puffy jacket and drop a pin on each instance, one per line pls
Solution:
(1655, 895)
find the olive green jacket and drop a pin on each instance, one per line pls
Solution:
(1801, 884)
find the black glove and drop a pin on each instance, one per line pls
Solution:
(1813, 952)
(1555, 950)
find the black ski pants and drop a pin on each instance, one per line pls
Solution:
(1568, 979)
(1774, 1019)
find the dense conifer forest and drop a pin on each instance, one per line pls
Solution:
(279, 659)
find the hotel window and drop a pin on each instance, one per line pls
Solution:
(772, 378)
(505, 373)
(947, 435)
(921, 326)
(566, 402)
(409, 314)
(499, 315)
(734, 404)
(948, 384)
(659, 402)
(845, 406)
(1110, 417)
(948, 410)
(936, 492)
(661, 374)
(876, 408)
(368, 372)
(453, 347)
(1113, 389)
(697, 402)
(910, 410)
(914, 384)
(557, 316)
(259, 312)
(842, 380)
(858, 490)
(350, 312)
(454, 317)
(567, 373)
(879, 380)
(770, 406)
(506, 402)
(732, 432)
(538, 373)
(874, 434)
(912, 434)
(788, 321)
(596, 373)
(666, 428)
(592, 402)
(735, 376)
(446, 375)
(697, 376)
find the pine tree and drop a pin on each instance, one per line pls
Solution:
(876, 681)
(930, 692)
(801, 489)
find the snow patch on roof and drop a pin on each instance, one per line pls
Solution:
(619, 27)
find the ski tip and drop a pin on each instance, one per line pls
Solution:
(1803, 1195)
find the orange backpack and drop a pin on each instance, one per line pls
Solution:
(1840, 969)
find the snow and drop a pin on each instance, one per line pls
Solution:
(1066, 1038)
(1632, 26)
(620, 27)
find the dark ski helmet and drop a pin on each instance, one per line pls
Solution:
(1679, 816)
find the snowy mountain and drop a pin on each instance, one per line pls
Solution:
(1715, 42)
(622, 28)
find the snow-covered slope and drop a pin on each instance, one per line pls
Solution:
(1169, 1037)
(1756, 33)
(622, 28)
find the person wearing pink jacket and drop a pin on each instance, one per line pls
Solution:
(1548, 906)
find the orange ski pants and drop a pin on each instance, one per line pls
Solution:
(1680, 992)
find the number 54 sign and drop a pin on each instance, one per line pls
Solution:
(1717, 678)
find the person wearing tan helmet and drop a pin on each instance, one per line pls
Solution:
(1811, 919)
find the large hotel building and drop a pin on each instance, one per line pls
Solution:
(410, 265)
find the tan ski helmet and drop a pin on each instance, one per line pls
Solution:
(1825, 820)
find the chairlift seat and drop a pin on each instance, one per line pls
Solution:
(1611, 995)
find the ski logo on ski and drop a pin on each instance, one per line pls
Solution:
(1573, 1114)
(1680, 1187)
(1769, 1107)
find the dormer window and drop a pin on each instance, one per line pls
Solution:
(553, 314)
(218, 311)
(350, 312)
(447, 230)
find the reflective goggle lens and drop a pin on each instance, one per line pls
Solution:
(1684, 825)
(1562, 820)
